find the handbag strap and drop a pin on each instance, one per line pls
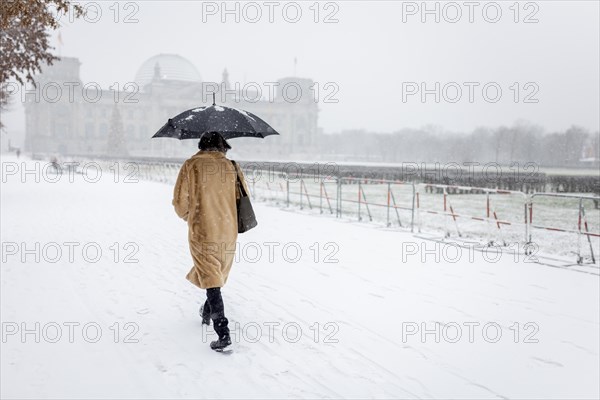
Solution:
(244, 194)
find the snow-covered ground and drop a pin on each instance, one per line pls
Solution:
(319, 307)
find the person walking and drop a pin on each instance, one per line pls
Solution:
(205, 196)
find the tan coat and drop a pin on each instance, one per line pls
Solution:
(205, 196)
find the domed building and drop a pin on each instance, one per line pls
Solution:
(167, 66)
(165, 85)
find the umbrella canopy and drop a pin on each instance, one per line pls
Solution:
(228, 121)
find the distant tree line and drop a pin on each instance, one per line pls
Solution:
(522, 143)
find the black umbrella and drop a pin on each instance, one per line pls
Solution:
(228, 121)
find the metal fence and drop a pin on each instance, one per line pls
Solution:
(580, 229)
(492, 217)
(563, 224)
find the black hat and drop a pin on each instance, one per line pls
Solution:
(213, 140)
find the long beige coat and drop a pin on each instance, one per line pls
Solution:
(205, 196)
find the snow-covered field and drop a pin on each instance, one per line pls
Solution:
(319, 307)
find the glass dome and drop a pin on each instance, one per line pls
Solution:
(170, 66)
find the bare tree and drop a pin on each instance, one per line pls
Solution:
(575, 138)
(24, 26)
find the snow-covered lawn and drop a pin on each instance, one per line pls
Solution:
(318, 307)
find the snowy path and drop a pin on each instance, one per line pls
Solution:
(362, 305)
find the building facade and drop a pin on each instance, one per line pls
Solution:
(67, 116)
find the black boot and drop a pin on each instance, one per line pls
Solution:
(205, 313)
(217, 313)
(222, 330)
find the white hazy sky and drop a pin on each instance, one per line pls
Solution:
(369, 53)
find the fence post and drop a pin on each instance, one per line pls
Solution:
(446, 214)
(287, 191)
(487, 214)
(388, 205)
(327, 197)
(300, 184)
(412, 213)
(585, 224)
(321, 197)
(359, 217)
(579, 258)
(418, 211)
(364, 197)
(303, 185)
(391, 193)
(340, 196)
(528, 221)
(337, 197)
